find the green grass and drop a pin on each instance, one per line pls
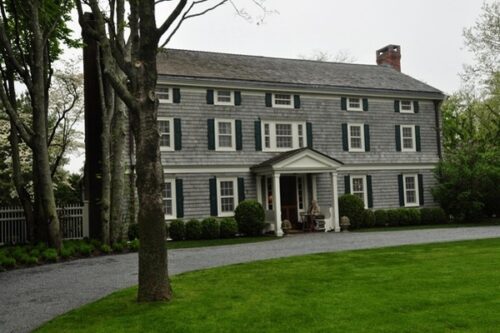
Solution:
(481, 223)
(217, 242)
(446, 287)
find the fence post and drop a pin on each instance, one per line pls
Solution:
(85, 218)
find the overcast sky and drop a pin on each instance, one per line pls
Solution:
(429, 32)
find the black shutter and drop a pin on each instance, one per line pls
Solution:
(345, 144)
(401, 191)
(398, 138)
(210, 96)
(213, 196)
(369, 191)
(177, 95)
(309, 133)
(239, 135)
(396, 106)
(421, 189)
(367, 137)
(415, 107)
(417, 138)
(177, 134)
(269, 100)
(237, 98)
(343, 103)
(241, 189)
(211, 134)
(347, 185)
(258, 137)
(296, 101)
(365, 104)
(179, 197)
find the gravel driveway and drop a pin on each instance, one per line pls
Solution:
(31, 296)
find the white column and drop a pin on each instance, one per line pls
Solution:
(335, 203)
(259, 190)
(314, 191)
(277, 204)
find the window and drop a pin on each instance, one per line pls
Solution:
(282, 101)
(269, 193)
(408, 138)
(410, 186)
(283, 136)
(358, 188)
(224, 135)
(224, 97)
(164, 94)
(356, 137)
(406, 107)
(227, 194)
(354, 104)
(166, 129)
(169, 199)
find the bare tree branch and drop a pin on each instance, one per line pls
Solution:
(171, 18)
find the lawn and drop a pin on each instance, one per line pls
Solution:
(424, 288)
(481, 223)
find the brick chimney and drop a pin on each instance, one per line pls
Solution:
(390, 55)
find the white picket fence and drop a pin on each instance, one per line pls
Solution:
(73, 219)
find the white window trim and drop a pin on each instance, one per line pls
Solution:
(216, 97)
(406, 111)
(414, 144)
(233, 135)
(170, 98)
(174, 200)
(365, 190)
(354, 109)
(362, 132)
(172, 137)
(235, 193)
(417, 194)
(272, 135)
(283, 106)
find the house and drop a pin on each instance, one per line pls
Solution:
(287, 131)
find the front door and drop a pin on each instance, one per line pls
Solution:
(288, 193)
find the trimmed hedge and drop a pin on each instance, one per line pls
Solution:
(193, 229)
(228, 228)
(381, 219)
(250, 217)
(433, 216)
(352, 207)
(368, 217)
(177, 230)
(210, 228)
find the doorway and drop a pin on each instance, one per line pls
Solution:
(288, 192)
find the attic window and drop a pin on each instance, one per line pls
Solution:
(354, 104)
(164, 94)
(282, 101)
(224, 97)
(407, 106)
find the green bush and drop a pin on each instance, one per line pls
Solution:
(352, 207)
(177, 230)
(96, 243)
(7, 262)
(368, 218)
(413, 216)
(193, 229)
(433, 216)
(41, 247)
(67, 252)
(133, 231)
(35, 253)
(250, 217)
(228, 227)
(393, 217)
(133, 246)
(381, 218)
(29, 260)
(49, 255)
(18, 252)
(105, 248)
(118, 247)
(210, 228)
(85, 249)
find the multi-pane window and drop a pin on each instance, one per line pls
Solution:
(164, 94)
(168, 199)
(225, 137)
(410, 190)
(166, 129)
(408, 138)
(356, 137)
(283, 136)
(406, 106)
(282, 100)
(227, 195)
(354, 104)
(358, 187)
(224, 97)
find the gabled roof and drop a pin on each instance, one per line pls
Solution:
(298, 160)
(305, 73)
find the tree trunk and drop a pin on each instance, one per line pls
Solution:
(132, 218)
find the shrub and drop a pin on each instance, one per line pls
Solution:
(177, 230)
(41, 247)
(134, 245)
(393, 217)
(381, 218)
(49, 255)
(67, 252)
(368, 218)
(352, 207)
(96, 243)
(193, 229)
(228, 227)
(105, 248)
(7, 262)
(85, 249)
(250, 217)
(133, 231)
(413, 216)
(210, 228)
(433, 216)
(118, 247)
(29, 260)
(35, 253)
(18, 253)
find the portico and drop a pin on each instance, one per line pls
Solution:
(292, 175)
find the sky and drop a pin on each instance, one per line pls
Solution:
(428, 31)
